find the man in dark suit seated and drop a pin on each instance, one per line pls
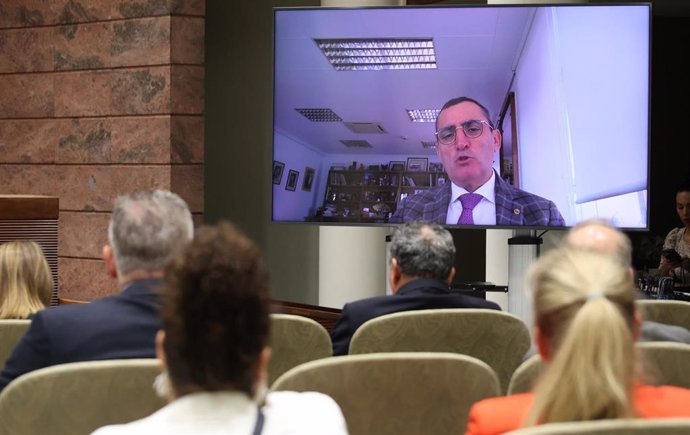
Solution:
(466, 142)
(146, 229)
(421, 271)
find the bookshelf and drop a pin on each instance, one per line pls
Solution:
(371, 196)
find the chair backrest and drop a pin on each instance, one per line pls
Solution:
(499, 339)
(398, 393)
(525, 375)
(666, 363)
(77, 398)
(666, 426)
(295, 340)
(665, 311)
(10, 333)
(663, 363)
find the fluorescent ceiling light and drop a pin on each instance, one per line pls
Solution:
(379, 54)
(423, 115)
(320, 115)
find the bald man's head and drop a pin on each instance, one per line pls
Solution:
(600, 236)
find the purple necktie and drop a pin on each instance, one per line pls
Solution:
(468, 201)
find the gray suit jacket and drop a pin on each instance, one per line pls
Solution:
(513, 207)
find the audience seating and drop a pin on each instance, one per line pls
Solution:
(498, 338)
(666, 363)
(10, 333)
(78, 398)
(524, 376)
(663, 363)
(670, 426)
(665, 311)
(398, 393)
(295, 340)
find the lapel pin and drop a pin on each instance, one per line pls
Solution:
(516, 211)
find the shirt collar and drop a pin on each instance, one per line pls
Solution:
(487, 190)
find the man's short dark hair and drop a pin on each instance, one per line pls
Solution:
(216, 312)
(458, 100)
(423, 250)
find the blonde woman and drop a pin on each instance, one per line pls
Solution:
(25, 280)
(585, 331)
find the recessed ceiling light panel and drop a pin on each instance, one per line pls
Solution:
(320, 115)
(423, 115)
(379, 54)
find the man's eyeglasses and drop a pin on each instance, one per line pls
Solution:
(472, 129)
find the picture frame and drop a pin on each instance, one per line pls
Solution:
(417, 164)
(396, 166)
(278, 171)
(308, 179)
(435, 167)
(291, 183)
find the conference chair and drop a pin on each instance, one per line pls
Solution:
(663, 363)
(402, 393)
(295, 340)
(525, 375)
(498, 338)
(666, 426)
(665, 311)
(10, 332)
(77, 398)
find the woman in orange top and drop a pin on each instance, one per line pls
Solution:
(586, 327)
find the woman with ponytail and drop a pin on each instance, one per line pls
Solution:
(585, 330)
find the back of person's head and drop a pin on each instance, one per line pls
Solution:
(599, 235)
(584, 307)
(423, 250)
(216, 313)
(147, 229)
(25, 280)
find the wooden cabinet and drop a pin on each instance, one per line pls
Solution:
(371, 195)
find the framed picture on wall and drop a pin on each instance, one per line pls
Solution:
(291, 183)
(278, 171)
(396, 166)
(419, 164)
(308, 178)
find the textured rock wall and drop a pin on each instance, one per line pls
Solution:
(99, 98)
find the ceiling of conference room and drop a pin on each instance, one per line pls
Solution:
(476, 51)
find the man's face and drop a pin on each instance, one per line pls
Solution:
(467, 161)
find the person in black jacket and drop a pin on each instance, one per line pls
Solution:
(421, 270)
(146, 230)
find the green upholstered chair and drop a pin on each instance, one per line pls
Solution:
(670, 426)
(525, 375)
(78, 398)
(663, 363)
(295, 340)
(665, 311)
(498, 338)
(10, 333)
(398, 393)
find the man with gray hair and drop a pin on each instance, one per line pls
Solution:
(145, 231)
(601, 236)
(421, 270)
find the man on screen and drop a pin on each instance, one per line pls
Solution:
(466, 142)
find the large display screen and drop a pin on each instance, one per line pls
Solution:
(532, 116)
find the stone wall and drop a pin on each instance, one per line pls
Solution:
(99, 98)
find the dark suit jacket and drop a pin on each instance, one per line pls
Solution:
(121, 326)
(420, 294)
(513, 207)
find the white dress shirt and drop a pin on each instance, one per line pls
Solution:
(484, 213)
(234, 413)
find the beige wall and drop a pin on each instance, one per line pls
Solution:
(97, 99)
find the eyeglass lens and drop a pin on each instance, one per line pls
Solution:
(472, 129)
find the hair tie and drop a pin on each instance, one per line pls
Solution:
(595, 295)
